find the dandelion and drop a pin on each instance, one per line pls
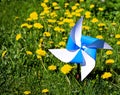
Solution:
(27, 92)
(81, 0)
(29, 53)
(18, 36)
(40, 52)
(94, 20)
(45, 91)
(29, 19)
(38, 25)
(66, 4)
(101, 24)
(54, 4)
(87, 14)
(109, 61)
(43, 5)
(71, 24)
(100, 29)
(34, 16)
(45, 1)
(66, 69)
(106, 75)
(51, 20)
(92, 6)
(74, 7)
(109, 52)
(85, 27)
(3, 53)
(51, 42)
(99, 36)
(52, 67)
(47, 34)
(118, 43)
(117, 36)
(62, 43)
(26, 25)
(100, 9)
(113, 23)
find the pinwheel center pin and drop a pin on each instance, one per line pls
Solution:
(83, 47)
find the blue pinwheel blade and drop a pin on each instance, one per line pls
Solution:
(71, 45)
(78, 59)
(94, 43)
(91, 52)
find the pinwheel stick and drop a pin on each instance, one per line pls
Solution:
(78, 72)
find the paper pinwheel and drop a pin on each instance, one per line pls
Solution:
(80, 50)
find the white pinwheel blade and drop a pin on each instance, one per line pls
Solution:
(63, 54)
(76, 32)
(89, 65)
(107, 46)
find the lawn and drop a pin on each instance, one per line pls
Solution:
(28, 28)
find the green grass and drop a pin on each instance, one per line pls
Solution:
(20, 72)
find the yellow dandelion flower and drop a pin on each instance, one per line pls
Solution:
(60, 22)
(29, 26)
(86, 27)
(38, 25)
(113, 23)
(118, 43)
(109, 61)
(100, 29)
(94, 20)
(39, 57)
(100, 9)
(27, 92)
(51, 20)
(40, 52)
(46, 1)
(18, 36)
(57, 7)
(81, 0)
(109, 52)
(77, 14)
(87, 14)
(47, 34)
(54, 4)
(99, 36)
(29, 19)
(80, 10)
(3, 53)
(64, 38)
(74, 7)
(43, 5)
(77, 4)
(52, 67)
(66, 69)
(101, 24)
(45, 91)
(57, 28)
(29, 53)
(62, 43)
(106, 75)
(51, 42)
(34, 16)
(24, 25)
(66, 4)
(117, 36)
(92, 6)
(71, 24)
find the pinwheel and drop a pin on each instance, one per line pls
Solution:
(80, 49)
